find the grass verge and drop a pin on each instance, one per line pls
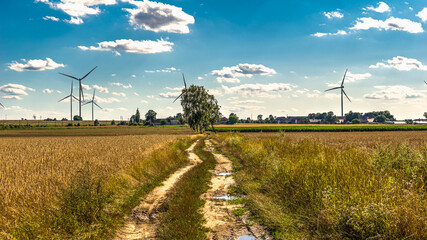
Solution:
(309, 190)
(183, 219)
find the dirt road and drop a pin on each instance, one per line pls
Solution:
(218, 211)
(142, 223)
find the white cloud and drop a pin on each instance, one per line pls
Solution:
(49, 91)
(12, 97)
(170, 94)
(423, 14)
(74, 20)
(144, 101)
(113, 75)
(392, 23)
(14, 91)
(77, 9)
(136, 94)
(174, 89)
(159, 17)
(106, 100)
(319, 34)
(401, 64)
(86, 87)
(396, 92)
(258, 89)
(52, 18)
(381, 8)
(101, 89)
(132, 46)
(122, 85)
(171, 69)
(120, 94)
(352, 77)
(231, 74)
(249, 101)
(333, 14)
(199, 78)
(134, 76)
(35, 65)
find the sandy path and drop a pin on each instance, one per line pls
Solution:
(220, 219)
(143, 221)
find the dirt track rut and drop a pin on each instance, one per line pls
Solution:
(142, 223)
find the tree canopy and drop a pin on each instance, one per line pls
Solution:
(200, 108)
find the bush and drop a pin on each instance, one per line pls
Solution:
(96, 123)
(113, 122)
(355, 121)
(163, 122)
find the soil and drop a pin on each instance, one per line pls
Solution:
(220, 219)
(142, 223)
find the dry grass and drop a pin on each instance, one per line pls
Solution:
(330, 188)
(33, 171)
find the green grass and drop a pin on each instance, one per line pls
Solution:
(183, 219)
(308, 190)
(322, 128)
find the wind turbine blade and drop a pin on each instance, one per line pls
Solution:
(81, 91)
(183, 78)
(88, 73)
(177, 97)
(332, 89)
(345, 94)
(342, 83)
(72, 87)
(2, 105)
(69, 76)
(425, 82)
(86, 103)
(97, 105)
(64, 98)
(76, 99)
(93, 97)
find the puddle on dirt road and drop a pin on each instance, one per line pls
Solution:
(247, 237)
(224, 174)
(225, 197)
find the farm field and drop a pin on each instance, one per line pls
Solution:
(356, 185)
(75, 183)
(317, 127)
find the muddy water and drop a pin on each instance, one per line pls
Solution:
(142, 223)
(218, 211)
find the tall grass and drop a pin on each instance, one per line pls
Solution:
(307, 189)
(79, 187)
(183, 219)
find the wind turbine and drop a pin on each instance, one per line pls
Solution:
(342, 92)
(185, 87)
(425, 82)
(80, 88)
(2, 105)
(71, 96)
(93, 102)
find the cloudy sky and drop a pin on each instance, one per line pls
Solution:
(257, 57)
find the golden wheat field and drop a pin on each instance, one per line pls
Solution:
(33, 170)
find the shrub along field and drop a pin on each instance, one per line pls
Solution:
(303, 188)
(57, 187)
(316, 128)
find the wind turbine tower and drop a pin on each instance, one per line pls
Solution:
(342, 93)
(71, 96)
(80, 88)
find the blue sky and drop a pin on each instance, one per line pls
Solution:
(257, 57)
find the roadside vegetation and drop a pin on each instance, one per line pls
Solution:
(58, 188)
(183, 219)
(318, 128)
(307, 189)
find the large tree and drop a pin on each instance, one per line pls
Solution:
(150, 116)
(200, 108)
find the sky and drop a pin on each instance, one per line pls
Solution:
(257, 57)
